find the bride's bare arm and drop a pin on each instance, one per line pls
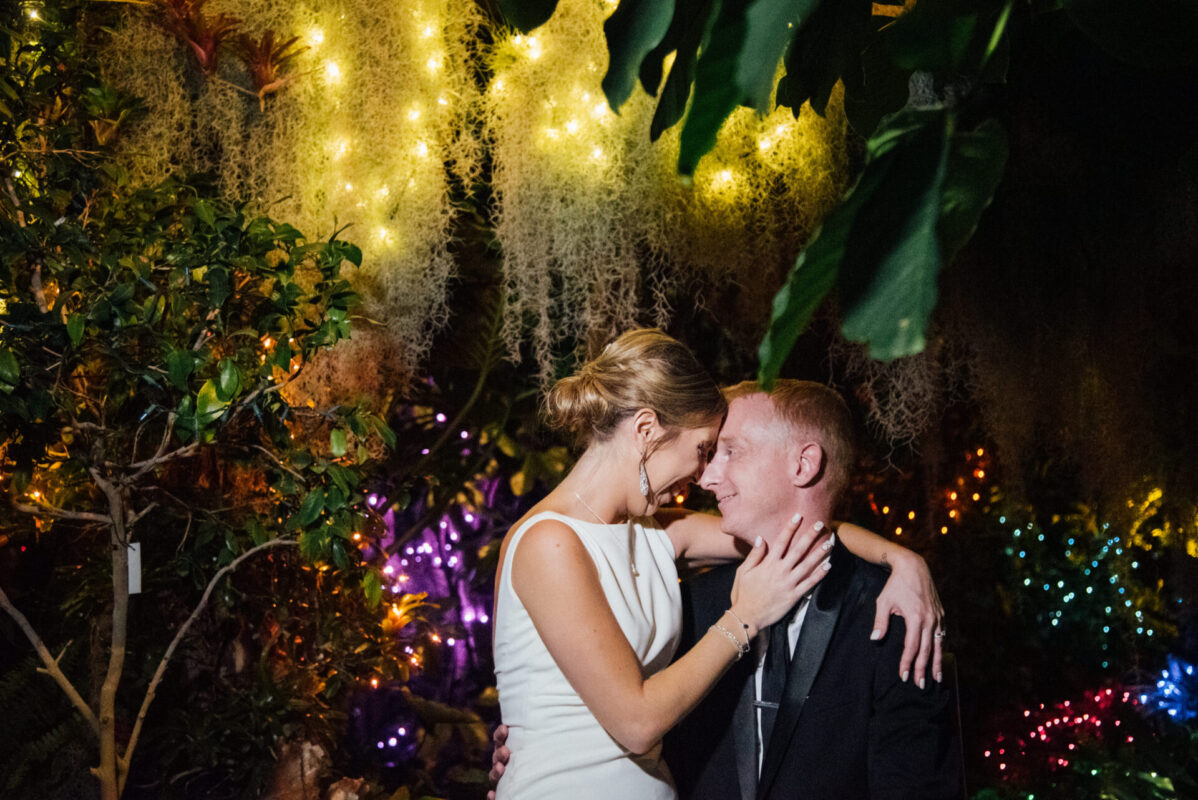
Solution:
(909, 593)
(557, 582)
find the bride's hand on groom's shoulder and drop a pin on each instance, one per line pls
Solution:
(911, 594)
(499, 757)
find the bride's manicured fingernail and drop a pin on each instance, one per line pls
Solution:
(922, 682)
(817, 527)
(796, 519)
(906, 675)
(827, 565)
(757, 542)
(939, 677)
(875, 636)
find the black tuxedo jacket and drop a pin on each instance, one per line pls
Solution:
(848, 727)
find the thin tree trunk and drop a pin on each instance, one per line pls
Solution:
(109, 771)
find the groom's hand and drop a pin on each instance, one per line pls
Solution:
(499, 758)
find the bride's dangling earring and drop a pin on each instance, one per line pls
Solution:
(644, 481)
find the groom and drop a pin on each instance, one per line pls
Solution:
(830, 719)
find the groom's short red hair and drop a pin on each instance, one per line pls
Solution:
(815, 410)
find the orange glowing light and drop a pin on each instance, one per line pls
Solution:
(952, 495)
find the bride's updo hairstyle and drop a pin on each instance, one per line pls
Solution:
(643, 368)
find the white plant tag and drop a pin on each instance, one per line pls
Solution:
(135, 568)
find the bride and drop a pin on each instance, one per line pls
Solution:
(587, 609)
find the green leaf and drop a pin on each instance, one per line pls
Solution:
(524, 15)
(312, 544)
(179, 364)
(889, 272)
(10, 371)
(209, 406)
(334, 499)
(685, 11)
(770, 26)
(229, 380)
(874, 86)
(75, 328)
(337, 442)
(826, 48)
(122, 294)
(372, 587)
(218, 285)
(633, 30)
(352, 253)
(881, 247)
(205, 212)
(677, 91)
(385, 433)
(715, 97)
(976, 161)
(813, 276)
(340, 559)
(311, 507)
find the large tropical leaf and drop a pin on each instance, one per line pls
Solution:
(524, 15)
(976, 161)
(918, 200)
(891, 263)
(825, 47)
(716, 96)
(633, 30)
(813, 276)
(677, 90)
(769, 27)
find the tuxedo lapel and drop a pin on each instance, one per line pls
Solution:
(814, 636)
(744, 737)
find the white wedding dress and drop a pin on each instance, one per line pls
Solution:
(559, 749)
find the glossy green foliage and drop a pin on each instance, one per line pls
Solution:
(919, 198)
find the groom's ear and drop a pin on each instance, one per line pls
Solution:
(807, 464)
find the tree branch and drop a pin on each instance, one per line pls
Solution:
(52, 669)
(133, 520)
(278, 461)
(148, 464)
(62, 513)
(170, 650)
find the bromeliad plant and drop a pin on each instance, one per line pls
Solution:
(146, 344)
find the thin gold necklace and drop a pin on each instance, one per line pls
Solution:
(588, 508)
(631, 546)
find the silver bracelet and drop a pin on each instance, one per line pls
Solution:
(742, 625)
(741, 649)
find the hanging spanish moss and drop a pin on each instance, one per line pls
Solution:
(363, 126)
(591, 216)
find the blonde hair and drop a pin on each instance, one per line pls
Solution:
(643, 368)
(812, 409)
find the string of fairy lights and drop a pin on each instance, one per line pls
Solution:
(1104, 566)
(1083, 570)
